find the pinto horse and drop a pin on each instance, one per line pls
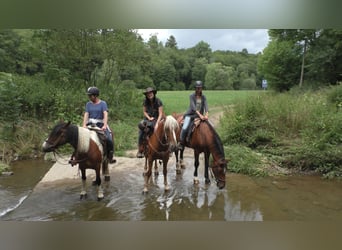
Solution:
(88, 154)
(204, 139)
(160, 145)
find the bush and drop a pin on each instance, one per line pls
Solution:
(303, 130)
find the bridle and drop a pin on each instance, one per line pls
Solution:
(54, 145)
(218, 165)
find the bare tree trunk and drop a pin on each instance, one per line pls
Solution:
(302, 69)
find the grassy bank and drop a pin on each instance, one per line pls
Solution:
(296, 131)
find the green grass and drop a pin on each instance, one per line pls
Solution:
(178, 101)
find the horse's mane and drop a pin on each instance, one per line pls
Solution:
(171, 123)
(217, 141)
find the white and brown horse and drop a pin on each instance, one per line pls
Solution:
(88, 154)
(160, 145)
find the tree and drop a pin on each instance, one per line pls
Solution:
(199, 69)
(9, 48)
(171, 43)
(217, 77)
(302, 37)
(280, 64)
(202, 50)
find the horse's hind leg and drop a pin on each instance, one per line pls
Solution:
(83, 193)
(98, 185)
(105, 170)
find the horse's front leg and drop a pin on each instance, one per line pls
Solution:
(145, 167)
(196, 156)
(206, 167)
(98, 183)
(181, 158)
(83, 193)
(147, 175)
(178, 164)
(156, 173)
(166, 185)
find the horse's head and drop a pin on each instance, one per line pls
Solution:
(171, 127)
(56, 138)
(219, 169)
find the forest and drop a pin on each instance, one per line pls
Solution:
(44, 74)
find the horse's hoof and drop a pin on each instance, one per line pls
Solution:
(100, 198)
(178, 171)
(107, 178)
(145, 191)
(167, 188)
(207, 181)
(196, 182)
(83, 196)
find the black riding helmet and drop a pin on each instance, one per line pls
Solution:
(198, 84)
(93, 91)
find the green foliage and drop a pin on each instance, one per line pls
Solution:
(301, 131)
(335, 96)
(243, 160)
(125, 135)
(10, 99)
(280, 65)
(217, 77)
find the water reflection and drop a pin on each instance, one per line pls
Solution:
(244, 198)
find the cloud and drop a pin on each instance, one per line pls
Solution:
(254, 40)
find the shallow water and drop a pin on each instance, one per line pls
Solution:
(301, 198)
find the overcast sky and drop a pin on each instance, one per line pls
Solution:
(254, 40)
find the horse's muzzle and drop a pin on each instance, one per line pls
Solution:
(47, 147)
(221, 184)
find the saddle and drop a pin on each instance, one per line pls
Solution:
(102, 137)
(192, 126)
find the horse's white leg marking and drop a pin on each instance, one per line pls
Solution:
(84, 188)
(99, 192)
(196, 180)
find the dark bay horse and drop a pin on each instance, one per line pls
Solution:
(204, 139)
(160, 145)
(88, 154)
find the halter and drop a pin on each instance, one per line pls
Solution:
(56, 142)
(54, 148)
(218, 166)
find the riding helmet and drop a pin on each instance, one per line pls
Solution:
(93, 91)
(198, 84)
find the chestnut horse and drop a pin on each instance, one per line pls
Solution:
(204, 139)
(88, 154)
(160, 145)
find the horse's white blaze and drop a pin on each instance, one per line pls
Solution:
(45, 145)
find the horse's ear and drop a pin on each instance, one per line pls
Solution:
(66, 124)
